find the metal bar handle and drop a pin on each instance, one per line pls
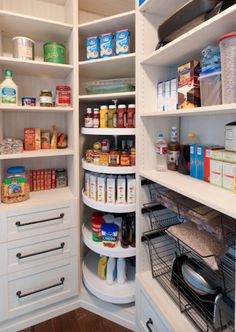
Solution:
(19, 224)
(20, 256)
(20, 295)
(148, 323)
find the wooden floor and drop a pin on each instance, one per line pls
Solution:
(79, 320)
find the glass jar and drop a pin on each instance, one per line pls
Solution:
(96, 118)
(125, 158)
(88, 119)
(15, 186)
(132, 157)
(105, 145)
(61, 178)
(63, 95)
(114, 158)
(46, 99)
(97, 222)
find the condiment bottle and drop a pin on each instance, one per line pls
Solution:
(132, 157)
(131, 228)
(121, 117)
(103, 116)
(105, 145)
(173, 149)
(112, 114)
(184, 156)
(131, 116)
(96, 118)
(88, 119)
(125, 233)
(8, 90)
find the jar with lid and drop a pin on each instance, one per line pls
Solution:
(63, 95)
(103, 116)
(97, 222)
(121, 117)
(88, 119)
(112, 116)
(61, 178)
(46, 99)
(105, 145)
(131, 116)
(125, 158)
(132, 157)
(15, 186)
(96, 118)
(114, 157)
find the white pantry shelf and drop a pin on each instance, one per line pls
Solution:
(107, 68)
(35, 68)
(113, 208)
(99, 248)
(115, 293)
(108, 169)
(107, 97)
(35, 109)
(217, 198)
(108, 131)
(38, 154)
(38, 29)
(198, 111)
(107, 24)
(207, 33)
(163, 8)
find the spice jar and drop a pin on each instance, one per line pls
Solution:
(45, 98)
(15, 186)
(114, 158)
(125, 158)
(96, 118)
(97, 222)
(63, 95)
(132, 157)
(88, 119)
(61, 178)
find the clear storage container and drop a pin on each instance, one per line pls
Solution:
(227, 45)
(15, 186)
(210, 86)
(110, 86)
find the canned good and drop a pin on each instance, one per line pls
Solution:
(54, 52)
(28, 101)
(23, 48)
(63, 95)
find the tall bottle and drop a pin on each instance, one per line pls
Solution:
(8, 90)
(161, 153)
(111, 270)
(173, 150)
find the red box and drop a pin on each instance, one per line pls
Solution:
(53, 178)
(49, 178)
(42, 179)
(34, 176)
(207, 156)
(46, 179)
(32, 139)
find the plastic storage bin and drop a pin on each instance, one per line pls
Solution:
(227, 45)
(210, 86)
(110, 86)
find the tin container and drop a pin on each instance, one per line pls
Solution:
(23, 48)
(54, 52)
(28, 101)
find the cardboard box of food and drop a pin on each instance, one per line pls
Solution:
(32, 139)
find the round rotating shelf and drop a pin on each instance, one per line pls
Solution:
(107, 207)
(108, 131)
(115, 293)
(99, 248)
(108, 169)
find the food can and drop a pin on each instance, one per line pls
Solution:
(28, 101)
(63, 95)
(54, 52)
(23, 48)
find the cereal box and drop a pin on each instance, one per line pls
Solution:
(92, 45)
(32, 139)
(106, 45)
(229, 176)
(122, 41)
(207, 156)
(193, 161)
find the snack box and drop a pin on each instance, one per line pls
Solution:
(230, 136)
(32, 139)
(200, 161)
(229, 176)
(207, 157)
(122, 41)
(229, 156)
(160, 96)
(193, 161)
(92, 46)
(106, 45)
(216, 167)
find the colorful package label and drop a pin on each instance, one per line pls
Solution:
(92, 45)
(122, 42)
(8, 95)
(14, 187)
(106, 45)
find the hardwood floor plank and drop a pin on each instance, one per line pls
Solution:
(46, 326)
(66, 323)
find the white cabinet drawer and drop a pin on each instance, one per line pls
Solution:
(21, 293)
(40, 221)
(26, 254)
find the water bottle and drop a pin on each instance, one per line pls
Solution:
(161, 153)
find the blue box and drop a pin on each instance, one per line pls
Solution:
(193, 161)
(122, 42)
(200, 161)
(141, 2)
(92, 45)
(106, 45)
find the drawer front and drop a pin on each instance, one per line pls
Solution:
(22, 293)
(25, 254)
(40, 222)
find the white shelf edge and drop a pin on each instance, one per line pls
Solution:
(108, 131)
(38, 154)
(217, 198)
(107, 19)
(37, 109)
(115, 58)
(108, 169)
(99, 248)
(107, 95)
(108, 207)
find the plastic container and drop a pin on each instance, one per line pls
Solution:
(97, 222)
(227, 45)
(109, 235)
(23, 48)
(111, 270)
(110, 86)
(210, 87)
(121, 271)
(15, 186)
(161, 153)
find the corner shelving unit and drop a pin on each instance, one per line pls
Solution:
(108, 169)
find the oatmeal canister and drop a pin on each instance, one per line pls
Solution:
(54, 52)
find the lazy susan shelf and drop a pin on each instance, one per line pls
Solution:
(115, 293)
(107, 169)
(108, 131)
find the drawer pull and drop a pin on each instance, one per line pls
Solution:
(148, 323)
(19, 224)
(19, 295)
(20, 256)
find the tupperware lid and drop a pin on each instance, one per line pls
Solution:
(110, 227)
(16, 170)
(227, 35)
